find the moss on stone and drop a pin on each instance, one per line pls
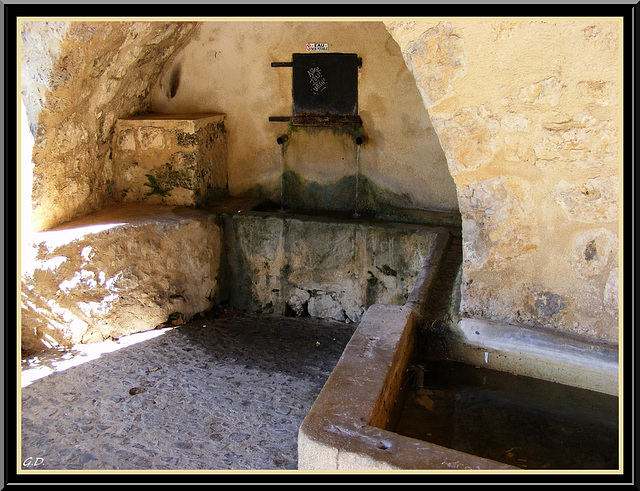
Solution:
(156, 188)
(302, 193)
(212, 194)
(372, 281)
(387, 270)
(186, 139)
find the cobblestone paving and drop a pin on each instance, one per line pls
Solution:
(225, 391)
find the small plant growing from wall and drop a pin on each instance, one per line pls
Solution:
(155, 187)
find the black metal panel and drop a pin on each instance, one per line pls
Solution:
(325, 84)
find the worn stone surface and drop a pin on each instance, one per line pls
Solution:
(330, 270)
(499, 223)
(436, 59)
(469, 137)
(185, 155)
(223, 392)
(592, 252)
(579, 142)
(533, 145)
(594, 201)
(547, 92)
(116, 272)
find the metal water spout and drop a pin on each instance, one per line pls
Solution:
(282, 139)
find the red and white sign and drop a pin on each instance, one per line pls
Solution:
(317, 46)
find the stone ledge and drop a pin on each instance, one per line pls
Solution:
(121, 270)
(540, 353)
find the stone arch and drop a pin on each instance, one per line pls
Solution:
(532, 141)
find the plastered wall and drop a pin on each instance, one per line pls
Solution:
(226, 68)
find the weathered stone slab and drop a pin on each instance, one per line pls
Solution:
(122, 270)
(540, 353)
(178, 159)
(329, 270)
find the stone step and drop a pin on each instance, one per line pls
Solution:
(124, 269)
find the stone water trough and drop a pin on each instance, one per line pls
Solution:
(350, 425)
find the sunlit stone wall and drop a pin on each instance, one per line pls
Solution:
(118, 271)
(528, 113)
(77, 79)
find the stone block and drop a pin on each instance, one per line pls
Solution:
(119, 271)
(178, 159)
(329, 270)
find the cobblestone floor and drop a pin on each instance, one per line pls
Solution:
(227, 391)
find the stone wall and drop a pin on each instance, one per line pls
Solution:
(226, 68)
(77, 79)
(332, 270)
(177, 159)
(118, 271)
(528, 113)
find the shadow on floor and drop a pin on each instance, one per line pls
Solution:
(227, 391)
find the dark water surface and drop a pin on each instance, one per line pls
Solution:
(517, 420)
